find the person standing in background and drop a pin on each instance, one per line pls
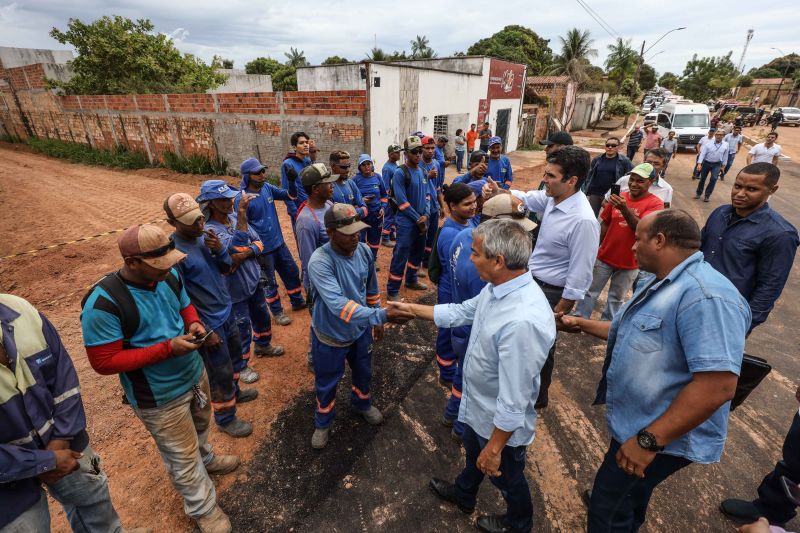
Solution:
(472, 135)
(389, 233)
(461, 147)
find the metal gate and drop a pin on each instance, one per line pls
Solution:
(527, 135)
(503, 117)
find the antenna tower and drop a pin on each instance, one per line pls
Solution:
(740, 66)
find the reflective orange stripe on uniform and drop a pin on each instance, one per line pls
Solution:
(348, 310)
(259, 246)
(395, 278)
(258, 335)
(456, 393)
(273, 299)
(374, 299)
(403, 206)
(412, 267)
(293, 291)
(241, 248)
(223, 405)
(361, 395)
(444, 362)
(325, 410)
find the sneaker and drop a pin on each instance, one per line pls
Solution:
(320, 438)
(214, 522)
(416, 286)
(248, 375)
(299, 307)
(246, 395)
(372, 415)
(270, 350)
(387, 243)
(223, 464)
(282, 319)
(238, 428)
(393, 297)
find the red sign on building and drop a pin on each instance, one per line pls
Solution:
(483, 111)
(505, 80)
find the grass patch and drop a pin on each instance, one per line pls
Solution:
(118, 157)
(195, 164)
(533, 147)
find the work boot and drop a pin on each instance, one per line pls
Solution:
(416, 286)
(282, 319)
(447, 422)
(372, 415)
(320, 438)
(393, 297)
(246, 395)
(299, 307)
(223, 464)
(248, 375)
(237, 428)
(447, 492)
(387, 243)
(270, 350)
(214, 522)
(494, 524)
(741, 510)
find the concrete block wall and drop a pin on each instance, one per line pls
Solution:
(233, 126)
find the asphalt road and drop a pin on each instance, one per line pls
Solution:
(371, 480)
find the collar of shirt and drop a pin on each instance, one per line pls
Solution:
(565, 206)
(499, 291)
(755, 217)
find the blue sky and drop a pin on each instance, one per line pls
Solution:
(243, 30)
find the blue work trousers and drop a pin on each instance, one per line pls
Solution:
(329, 369)
(710, 171)
(406, 255)
(389, 227)
(372, 235)
(253, 322)
(219, 363)
(459, 339)
(445, 356)
(280, 259)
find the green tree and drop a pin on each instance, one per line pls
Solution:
(420, 48)
(263, 65)
(285, 79)
(121, 56)
(296, 58)
(792, 61)
(573, 61)
(620, 106)
(647, 76)
(335, 60)
(744, 81)
(227, 63)
(621, 61)
(764, 72)
(668, 80)
(598, 81)
(628, 86)
(708, 77)
(398, 56)
(517, 44)
(377, 54)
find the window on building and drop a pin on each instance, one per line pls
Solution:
(440, 125)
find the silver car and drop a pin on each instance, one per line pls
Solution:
(791, 115)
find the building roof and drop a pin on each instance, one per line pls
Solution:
(546, 80)
(766, 81)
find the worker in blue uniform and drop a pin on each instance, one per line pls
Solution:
(389, 234)
(499, 166)
(262, 215)
(434, 170)
(373, 194)
(476, 170)
(438, 154)
(412, 197)
(297, 159)
(345, 191)
(346, 317)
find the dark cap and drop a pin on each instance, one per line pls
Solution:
(316, 174)
(443, 138)
(477, 156)
(394, 148)
(559, 137)
(412, 142)
(344, 219)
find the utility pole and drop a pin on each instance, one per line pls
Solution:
(740, 66)
(636, 76)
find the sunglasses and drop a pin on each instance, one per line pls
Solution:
(260, 172)
(344, 222)
(415, 151)
(158, 252)
(611, 145)
(348, 165)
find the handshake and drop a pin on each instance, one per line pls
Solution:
(399, 312)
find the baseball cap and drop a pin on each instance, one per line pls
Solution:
(149, 243)
(444, 138)
(316, 174)
(495, 140)
(477, 156)
(343, 218)
(412, 142)
(427, 140)
(215, 190)
(418, 134)
(251, 166)
(363, 158)
(183, 208)
(394, 148)
(502, 206)
(645, 170)
(559, 137)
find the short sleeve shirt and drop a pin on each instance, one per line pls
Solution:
(762, 154)
(617, 246)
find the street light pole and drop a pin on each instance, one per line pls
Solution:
(641, 58)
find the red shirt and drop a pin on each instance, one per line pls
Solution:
(471, 136)
(652, 140)
(617, 246)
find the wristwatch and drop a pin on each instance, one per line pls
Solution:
(648, 441)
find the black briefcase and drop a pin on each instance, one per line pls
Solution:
(754, 370)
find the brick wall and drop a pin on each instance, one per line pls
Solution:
(234, 126)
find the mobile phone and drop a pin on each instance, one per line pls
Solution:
(791, 489)
(615, 189)
(201, 340)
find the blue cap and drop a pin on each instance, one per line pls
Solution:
(363, 158)
(250, 166)
(215, 190)
(418, 134)
(477, 186)
(495, 140)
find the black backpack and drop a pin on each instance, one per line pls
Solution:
(392, 201)
(122, 304)
(434, 265)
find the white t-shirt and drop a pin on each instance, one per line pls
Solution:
(662, 189)
(762, 154)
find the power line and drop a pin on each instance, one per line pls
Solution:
(597, 18)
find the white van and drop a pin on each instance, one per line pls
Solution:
(689, 121)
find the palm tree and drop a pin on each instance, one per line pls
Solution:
(420, 48)
(576, 49)
(377, 54)
(297, 58)
(621, 61)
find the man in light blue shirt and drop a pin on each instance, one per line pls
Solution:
(672, 364)
(512, 331)
(569, 236)
(734, 140)
(713, 155)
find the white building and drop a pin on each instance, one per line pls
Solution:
(435, 96)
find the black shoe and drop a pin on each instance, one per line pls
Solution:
(741, 510)
(586, 496)
(246, 395)
(299, 307)
(494, 524)
(447, 492)
(541, 403)
(447, 422)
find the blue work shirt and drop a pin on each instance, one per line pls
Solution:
(371, 187)
(512, 331)
(348, 193)
(434, 184)
(412, 195)
(311, 234)
(447, 233)
(387, 171)
(347, 299)
(243, 281)
(466, 178)
(293, 204)
(694, 320)
(201, 272)
(755, 253)
(465, 283)
(500, 171)
(438, 154)
(261, 212)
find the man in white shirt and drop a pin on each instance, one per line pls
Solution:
(569, 236)
(659, 187)
(712, 155)
(766, 152)
(734, 141)
(699, 146)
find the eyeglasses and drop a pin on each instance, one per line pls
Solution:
(348, 165)
(415, 151)
(611, 145)
(260, 172)
(344, 222)
(158, 252)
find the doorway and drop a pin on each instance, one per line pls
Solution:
(503, 118)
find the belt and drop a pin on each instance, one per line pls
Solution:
(544, 285)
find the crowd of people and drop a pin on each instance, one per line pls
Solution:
(181, 317)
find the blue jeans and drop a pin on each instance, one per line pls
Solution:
(706, 169)
(84, 496)
(729, 163)
(459, 160)
(406, 255)
(511, 482)
(220, 363)
(772, 499)
(621, 281)
(619, 500)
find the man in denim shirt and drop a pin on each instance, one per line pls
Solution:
(672, 363)
(512, 331)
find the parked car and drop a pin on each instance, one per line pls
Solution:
(791, 116)
(689, 121)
